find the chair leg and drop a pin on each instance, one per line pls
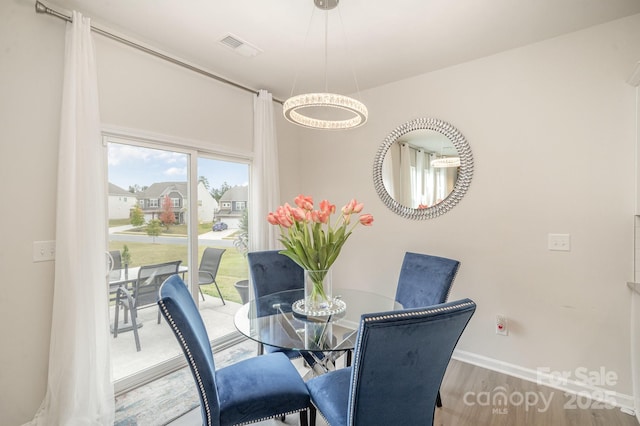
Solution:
(134, 320)
(438, 400)
(134, 324)
(115, 319)
(303, 418)
(312, 416)
(201, 293)
(219, 293)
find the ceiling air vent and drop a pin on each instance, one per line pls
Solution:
(239, 46)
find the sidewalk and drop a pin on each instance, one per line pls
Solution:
(207, 236)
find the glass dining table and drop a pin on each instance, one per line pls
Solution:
(270, 320)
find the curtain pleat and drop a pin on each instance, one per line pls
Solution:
(635, 350)
(406, 184)
(79, 387)
(265, 183)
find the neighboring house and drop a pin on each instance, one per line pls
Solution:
(150, 201)
(207, 205)
(233, 203)
(120, 202)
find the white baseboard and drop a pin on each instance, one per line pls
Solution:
(570, 385)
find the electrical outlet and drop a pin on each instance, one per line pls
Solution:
(44, 251)
(559, 242)
(501, 325)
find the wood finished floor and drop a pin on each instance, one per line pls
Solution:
(466, 398)
(476, 382)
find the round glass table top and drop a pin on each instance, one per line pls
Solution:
(271, 321)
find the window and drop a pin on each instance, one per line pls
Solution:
(175, 202)
(153, 202)
(240, 205)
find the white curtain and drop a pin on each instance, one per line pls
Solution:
(418, 197)
(387, 173)
(430, 181)
(635, 349)
(406, 176)
(265, 184)
(79, 388)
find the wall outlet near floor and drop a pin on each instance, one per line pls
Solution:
(501, 325)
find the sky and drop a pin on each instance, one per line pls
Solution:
(131, 165)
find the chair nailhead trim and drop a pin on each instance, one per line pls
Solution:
(184, 345)
(269, 417)
(402, 314)
(455, 274)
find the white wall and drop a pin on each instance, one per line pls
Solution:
(31, 52)
(552, 131)
(137, 92)
(541, 121)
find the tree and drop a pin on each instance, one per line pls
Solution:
(154, 228)
(126, 256)
(137, 216)
(241, 241)
(217, 193)
(167, 217)
(137, 188)
(204, 181)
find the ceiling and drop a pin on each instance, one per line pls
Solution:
(369, 42)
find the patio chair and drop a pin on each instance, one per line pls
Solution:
(398, 364)
(144, 294)
(114, 266)
(252, 390)
(208, 269)
(425, 280)
(115, 260)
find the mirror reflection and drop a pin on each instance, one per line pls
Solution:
(423, 168)
(420, 168)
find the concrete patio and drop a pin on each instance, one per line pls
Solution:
(157, 341)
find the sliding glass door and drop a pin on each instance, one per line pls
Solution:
(171, 210)
(223, 194)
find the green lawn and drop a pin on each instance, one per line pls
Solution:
(233, 266)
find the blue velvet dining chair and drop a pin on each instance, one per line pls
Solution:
(272, 272)
(398, 365)
(425, 280)
(252, 390)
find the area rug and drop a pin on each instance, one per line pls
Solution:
(165, 399)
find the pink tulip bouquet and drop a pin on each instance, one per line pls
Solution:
(311, 239)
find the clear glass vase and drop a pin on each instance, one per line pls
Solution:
(318, 293)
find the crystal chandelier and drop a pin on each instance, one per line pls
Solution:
(446, 162)
(297, 108)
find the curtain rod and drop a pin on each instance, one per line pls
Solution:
(42, 8)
